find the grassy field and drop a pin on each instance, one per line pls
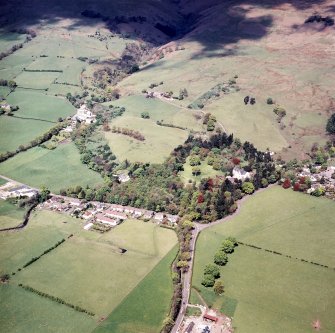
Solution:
(206, 171)
(254, 278)
(159, 141)
(10, 215)
(2, 181)
(140, 312)
(15, 132)
(59, 168)
(97, 269)
(159, 110)
(43, 231)
(25, 312)
(39, 105)
(87, 271)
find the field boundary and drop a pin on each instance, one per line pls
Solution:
(284, 255)
(56, 299)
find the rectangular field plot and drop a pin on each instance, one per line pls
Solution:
(92, 274)
(44, 230)
(159, 141)
(15, 132)
(288, 222)
(59, 168)
(25, 312)
(145, 308)
(36, 80)
(38, 105)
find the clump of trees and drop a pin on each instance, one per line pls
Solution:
(145, 115)
(129, 132)
(330, 127)
(212, 272)
(8, 83)
(183, 93)
(158, 187)
(280, 112)
(210, 121)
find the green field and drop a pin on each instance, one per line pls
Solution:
(206, 172)
(287, 222)
(39, 105)
(10, 215)
(158, 144)
(2, 181)
(159, 110)
(15, 132)
(25, 312)
(33, 104)
(86, 270)
(59, 168)
(140, 312)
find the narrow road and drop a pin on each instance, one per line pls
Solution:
(187, 277)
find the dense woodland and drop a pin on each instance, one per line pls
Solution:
(159, 188)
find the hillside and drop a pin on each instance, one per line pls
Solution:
(197, 45)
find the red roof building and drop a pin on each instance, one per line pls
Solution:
(211, 318)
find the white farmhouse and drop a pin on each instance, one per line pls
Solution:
(84, 115)
(240, 174)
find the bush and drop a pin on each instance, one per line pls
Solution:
(212, 270)
(145, 115)
(269, 101)
(208, 280)
(330, 127)
(227, 246)
(220, 258)
(287, 183)
(248, 187)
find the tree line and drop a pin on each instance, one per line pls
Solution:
(129, 132)
(56, 299)
(35, 142)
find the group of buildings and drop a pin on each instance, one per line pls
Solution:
(109, 215)
(83, 115)
(15, 190)
(322, 178)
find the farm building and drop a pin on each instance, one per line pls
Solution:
(117, 208)
(129, 210)
(147, 214)
(210, 318)
(189, 327)
(159, 217)
(88, 226)
(116, 215)
(88, 214)
(75, 202)
(172, 218)
(137, 212)
(106, 220)
(84, 115)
